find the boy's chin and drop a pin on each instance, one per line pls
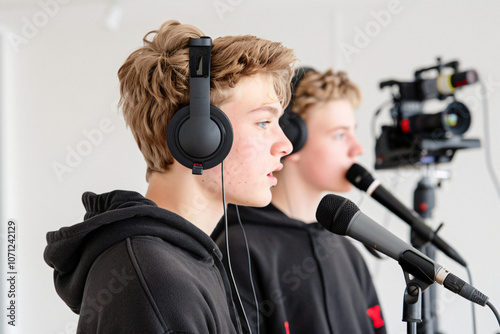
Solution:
(344, 187)
(258, 202)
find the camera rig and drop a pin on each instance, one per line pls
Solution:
(417, 138)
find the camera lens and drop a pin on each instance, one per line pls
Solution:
(454, 120)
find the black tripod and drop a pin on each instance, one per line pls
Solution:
(423, 204)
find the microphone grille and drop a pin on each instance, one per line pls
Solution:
(359, 177)
(335, 213)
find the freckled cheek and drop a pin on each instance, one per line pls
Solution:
(243, 172)
(246, 160)
(247, 149)
(237, 170)
(243, 166)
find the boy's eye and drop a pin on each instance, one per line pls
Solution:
(263, 124)
(339, 136)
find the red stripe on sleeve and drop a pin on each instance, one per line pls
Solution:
(374, 313)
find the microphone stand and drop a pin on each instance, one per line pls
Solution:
(412, 303)
(423, 204)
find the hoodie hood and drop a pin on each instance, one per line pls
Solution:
(111, 218)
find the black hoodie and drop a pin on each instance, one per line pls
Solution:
(308, 280)
(132, 267)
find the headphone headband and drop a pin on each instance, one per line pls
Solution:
(297, 77)
(199, 76)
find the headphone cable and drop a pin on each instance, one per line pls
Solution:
(249, 268)
(227, 249)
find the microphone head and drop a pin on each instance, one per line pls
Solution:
(359, 177)
(335, 213)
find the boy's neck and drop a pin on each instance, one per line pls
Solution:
(180, 192)
(295, 197)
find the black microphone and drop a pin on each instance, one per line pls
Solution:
(341, 216)
(445, 84)
(363, 180)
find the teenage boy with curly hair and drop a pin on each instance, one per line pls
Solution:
(307, 279)
(145, 264)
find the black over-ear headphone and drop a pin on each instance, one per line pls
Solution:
(292, 124)
(199, 135)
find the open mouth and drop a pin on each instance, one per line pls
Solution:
(272, 178)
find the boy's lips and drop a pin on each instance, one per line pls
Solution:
(277, 169)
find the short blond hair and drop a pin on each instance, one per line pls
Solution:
(154, 80)
(316, 87)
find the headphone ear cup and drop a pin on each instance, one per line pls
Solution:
(194, 142)
(292, 124)
(295, 130)
(226, 131)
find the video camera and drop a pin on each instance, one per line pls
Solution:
(423, 138)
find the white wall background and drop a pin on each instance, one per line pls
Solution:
(59, 60)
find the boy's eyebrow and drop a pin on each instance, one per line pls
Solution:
(340, 127)
(272, 109)
(343, 127)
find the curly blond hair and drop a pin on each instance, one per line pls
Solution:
(316, 87)
(154, 80)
